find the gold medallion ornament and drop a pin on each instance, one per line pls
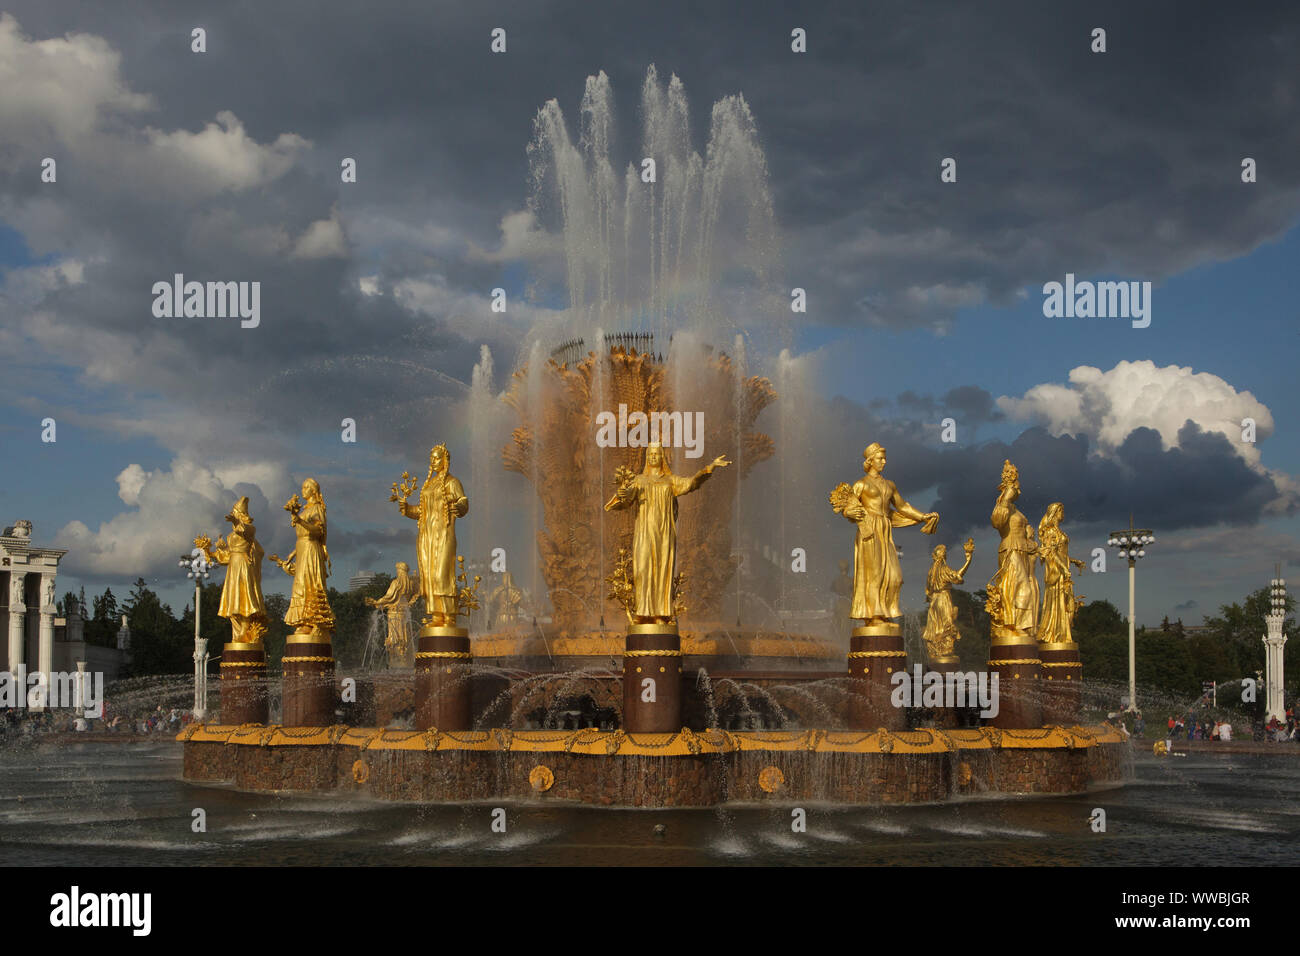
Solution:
(540, 778)
(771, 779)
(360, 771)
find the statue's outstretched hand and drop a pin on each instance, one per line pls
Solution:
(719, 462)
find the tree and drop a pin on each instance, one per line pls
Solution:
(158, 642)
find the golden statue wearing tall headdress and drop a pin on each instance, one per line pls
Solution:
(241, 594)
(397, 601)
(1059, 602)
(654, 494)
(1013, 591)
(442, 501)
(309, 605)
(875, 506)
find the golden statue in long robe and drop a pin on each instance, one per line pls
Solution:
(1059, 602)
(241, 594)
(396, 602)
(442, 501)
(941, 633)
(1013, 590)
(875, 506)
(309, 606)
(654, 494)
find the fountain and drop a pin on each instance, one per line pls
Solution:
(609, 699)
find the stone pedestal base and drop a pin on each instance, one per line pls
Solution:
(442, 679)
(308, 697)
(1020, 685)
(875, 655)
(652, 679)
(946, 718)
(244, 697)
(1062, 683)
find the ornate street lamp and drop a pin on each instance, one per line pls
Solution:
(196, 566)
(1132, 544)
(1274, 642)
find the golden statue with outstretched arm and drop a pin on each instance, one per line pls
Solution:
(241, 595)
(397, 601)
(1059, 602)
(1013, 591)
(309, 606)
(941, 633)
(442, 501)
(875, 506)
(654, 494)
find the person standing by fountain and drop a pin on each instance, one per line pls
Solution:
(442, 501)
(876, 647)
(308, 662)
(652, 656)
(243, 658)
(396, 602)
(1013, 610)
(654, 494)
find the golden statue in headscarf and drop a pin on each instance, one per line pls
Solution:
(654, 494)
(941, 633)
(1013, 591)
(1059, 602)
(442, 501)
(504, 603)
(241, 595)
(876, 507)
(397, 601)
(309, 606)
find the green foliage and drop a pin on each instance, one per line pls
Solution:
(352, 619)
(159, 644)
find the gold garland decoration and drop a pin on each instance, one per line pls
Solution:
(243, 663)
(663, 653)
(853, 654)
(450, 655)
(306, 660)
(1015, 660)
(1061, 664)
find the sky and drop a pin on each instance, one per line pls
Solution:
(924, 298)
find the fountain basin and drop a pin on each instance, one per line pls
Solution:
(688, 768)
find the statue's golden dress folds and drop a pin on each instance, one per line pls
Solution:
(1059, 602)
(309, 607)
(442, 501)
(941, 633)
(396, 603)
(654, 494)
(241, 595)
(876, 507)
(1013, 590)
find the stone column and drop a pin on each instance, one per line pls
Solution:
(308, 695)
(1274, 642)
(17, 622)
(81, 689)
(652, 679)
(875, 654)
(442, 679)
(1015, 659)
(244, 691)
(200, 678)
(1063, 673)
(45, 652)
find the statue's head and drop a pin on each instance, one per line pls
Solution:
(403, 569)
(439, 459)
(940, 553)
(873, 456)
(655, 461)
(311, 489)
(1010, 479)
(240, 510)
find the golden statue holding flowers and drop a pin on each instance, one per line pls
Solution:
(241, 595)
(876, 507)
(442, 501)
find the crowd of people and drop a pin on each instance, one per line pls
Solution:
(19, 723)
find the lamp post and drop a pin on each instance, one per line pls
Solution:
(1274, 642)
(1132, 544)
(196, 566)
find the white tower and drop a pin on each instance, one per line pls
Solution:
(1274, 641)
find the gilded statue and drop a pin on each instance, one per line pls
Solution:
(876, 507)
(1013, 591)
(654, 494)
(941, 634)
(396, 602)
(241, 595)
(504, 602)
(442, 501)
(1059, 602)
(309, 606)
